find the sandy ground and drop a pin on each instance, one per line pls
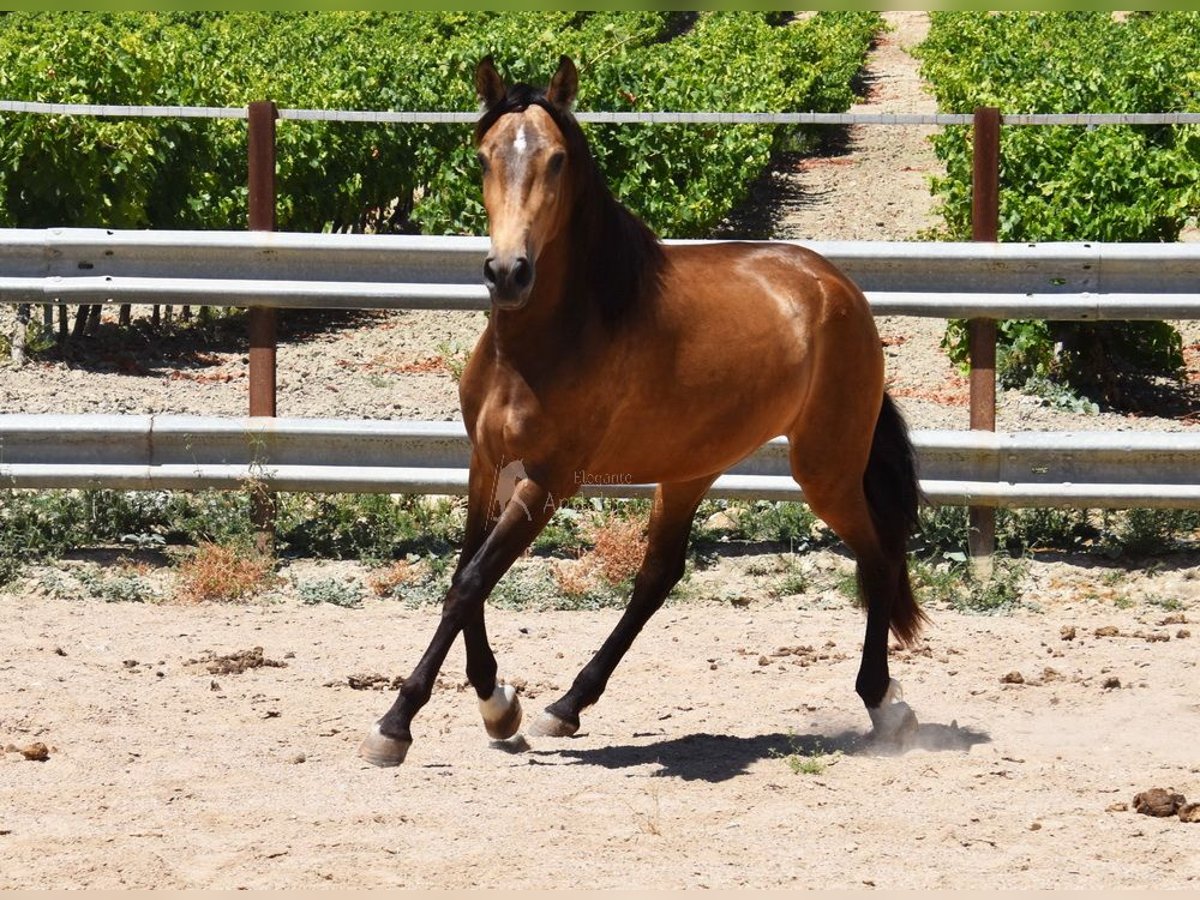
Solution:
(161, 774)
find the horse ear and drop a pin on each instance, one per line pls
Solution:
(564, 84)
(488, 83)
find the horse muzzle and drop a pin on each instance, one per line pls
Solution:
(508, 280)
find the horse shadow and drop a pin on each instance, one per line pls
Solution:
(718, 757)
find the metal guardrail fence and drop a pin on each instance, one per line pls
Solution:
(655, 117)
(1079, 281)
(1083, 281)
(369, 456)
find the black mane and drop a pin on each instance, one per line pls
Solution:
(617, 258)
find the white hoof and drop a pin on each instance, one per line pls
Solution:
(501, 712)
(893, 720)
(550, 725)
(380, 750)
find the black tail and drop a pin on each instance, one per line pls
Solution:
(893, 495)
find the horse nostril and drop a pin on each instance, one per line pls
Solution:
(489, 270)
(522, 273)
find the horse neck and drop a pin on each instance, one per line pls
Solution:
(528, 338)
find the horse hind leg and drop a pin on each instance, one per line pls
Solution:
(869, 509)
(661, 569)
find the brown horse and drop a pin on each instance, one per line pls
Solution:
(609, 357)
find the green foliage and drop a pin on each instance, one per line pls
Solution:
(367, 526)
(999, 592)
(1109, 183)
(335, 591)
(190, 173)
(1140, 532)
(807, 756)
(116, 587)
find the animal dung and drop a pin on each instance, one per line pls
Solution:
(1159, 802)
(36, 752)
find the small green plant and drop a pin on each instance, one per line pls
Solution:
(811, 760)
(936, 581)
(1123, 601)
(999, 592)
(455, 356)
(370, 527)
(117, 588)
(1170, 604)
(846, 584)
(347, 594)
(1141, 532)
(793, 579)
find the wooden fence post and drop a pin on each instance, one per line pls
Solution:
(981, 333)
(261, 158)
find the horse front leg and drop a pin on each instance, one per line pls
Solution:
(522, 520)
(498, 703)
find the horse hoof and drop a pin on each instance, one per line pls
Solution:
(550, 725)
(893, 720)
(501, 712)
(380, 750)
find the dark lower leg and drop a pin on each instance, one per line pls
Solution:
(463, 609)
(875, 583)
(481, 662)
(589, 684)
(418, 686)
(661, 569)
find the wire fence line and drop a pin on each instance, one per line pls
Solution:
(386, 117)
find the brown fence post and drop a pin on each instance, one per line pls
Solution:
(981, 333)
(261, 158)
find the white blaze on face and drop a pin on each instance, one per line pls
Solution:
(519, 144)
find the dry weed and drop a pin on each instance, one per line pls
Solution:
(573, 577)
(619, 545)
(383, 582)
(221, 573)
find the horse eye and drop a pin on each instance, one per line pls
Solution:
(483, 163)
(556, 162)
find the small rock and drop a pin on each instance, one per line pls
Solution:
(1013, 677)
(1174, 619)
(739, 600)
(1107, 631)
(1049, 674)
(1189, 812)
(297, 759)
(1111, 682)
(1119, 806)
(1183, 633)
(130, 663)
(1035, 826)
(764, 661)
(1158, 802)
(59, 651)
(38, 752)
(1067, 632)
(720, 521)
(213, 685)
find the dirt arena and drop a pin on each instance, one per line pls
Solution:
(730, 750)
